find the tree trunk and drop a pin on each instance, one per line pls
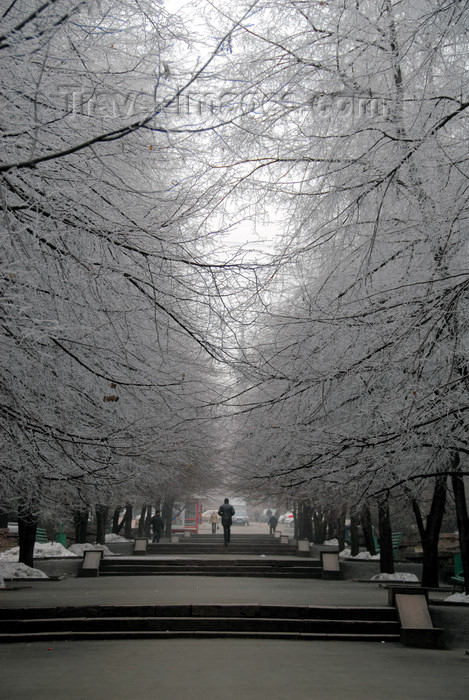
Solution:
(418, 518)
(116, 525)
(319, 527)
(462, 519)
(431, 532)
(305, 523)
(101, 521)
(80, 522)
(128, 521)
(341, 527)
(386, 560)
(27, 525)
(141, 522)
(367, 530)
(354, 536)
(331, 524)
(115, 522)
(147, 528)
(167, 515)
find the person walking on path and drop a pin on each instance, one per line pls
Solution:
(214, 521)
(226, 512)
(157, 526)
(272, 523)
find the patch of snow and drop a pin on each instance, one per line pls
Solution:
(366, 556)
(111, 537)
(332, 543)
(401, 576)
(78, 549)
(42, 550)
(458, 598)
(17, 570)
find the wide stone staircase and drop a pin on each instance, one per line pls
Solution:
(213, 544)
(206, 555)
(49, 624)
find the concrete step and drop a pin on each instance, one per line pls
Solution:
(259, 573)
(101, 636)
(291, 568)
(150, 561)
(125, 622)
(232, 610)
(185, 548)
(182, 624)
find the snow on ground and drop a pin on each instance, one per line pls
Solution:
(332, 543)
(17, 570)
(78, 549)
(10, 568)
(401, 576)
(111, 537)
(55, 550)
(42, 550)
(458, 598)
(346, 554)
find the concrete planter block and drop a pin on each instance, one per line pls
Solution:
(140, 546)
(91, 561)
(187, 533)
(277, 534)
(331, 566)
(174, 539)
(303, 548)
(283, 539)
(416, 624)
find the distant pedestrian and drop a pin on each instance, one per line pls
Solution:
(214, 521)
(226, 512)
(157, 525)
(272, 523)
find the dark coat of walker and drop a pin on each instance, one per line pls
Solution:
(226, 512)
(157, 525)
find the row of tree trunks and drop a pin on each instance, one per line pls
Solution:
(125, 523)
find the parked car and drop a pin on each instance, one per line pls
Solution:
(287, 519)
(240, 517)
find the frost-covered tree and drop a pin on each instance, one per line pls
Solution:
(359, 135)
(106, 283)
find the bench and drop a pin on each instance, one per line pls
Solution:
(396, 543)
(458, 578)
(41, 535)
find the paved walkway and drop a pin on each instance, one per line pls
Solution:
(232, 669)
